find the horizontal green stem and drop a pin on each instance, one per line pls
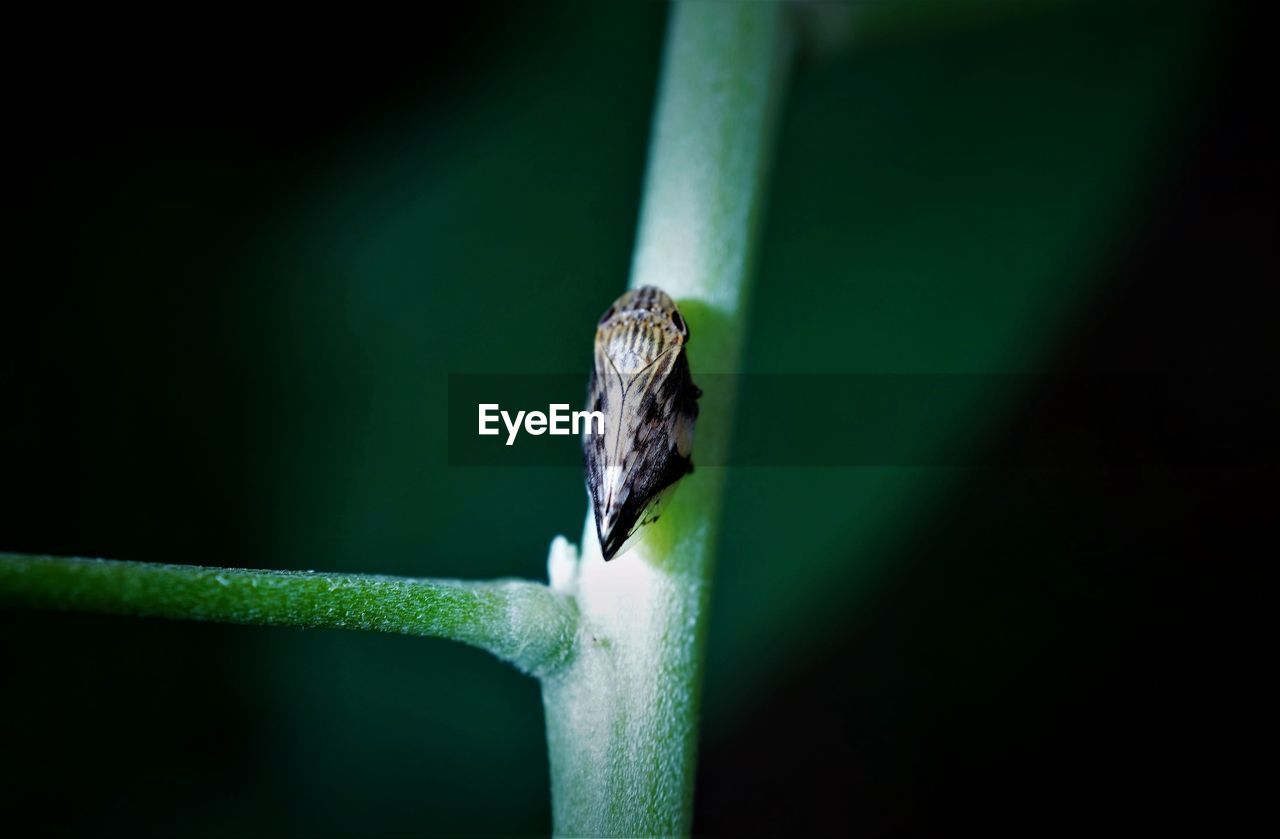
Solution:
(521, 622)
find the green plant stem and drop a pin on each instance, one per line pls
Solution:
(618, 646)
(622, 714)
(521, 622)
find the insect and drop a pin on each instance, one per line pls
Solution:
(641, 383)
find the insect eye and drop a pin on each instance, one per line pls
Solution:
(606, 316)
(678, 321)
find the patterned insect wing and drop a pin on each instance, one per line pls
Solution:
(641, 383)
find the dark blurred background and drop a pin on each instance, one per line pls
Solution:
(242, 256)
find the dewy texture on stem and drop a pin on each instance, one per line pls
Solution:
(622, 713)
(521, 622)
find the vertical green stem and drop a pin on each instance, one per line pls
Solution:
(622, 714)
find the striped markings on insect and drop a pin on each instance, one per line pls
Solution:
(640, 383)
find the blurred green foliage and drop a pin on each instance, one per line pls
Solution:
(947, 192)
